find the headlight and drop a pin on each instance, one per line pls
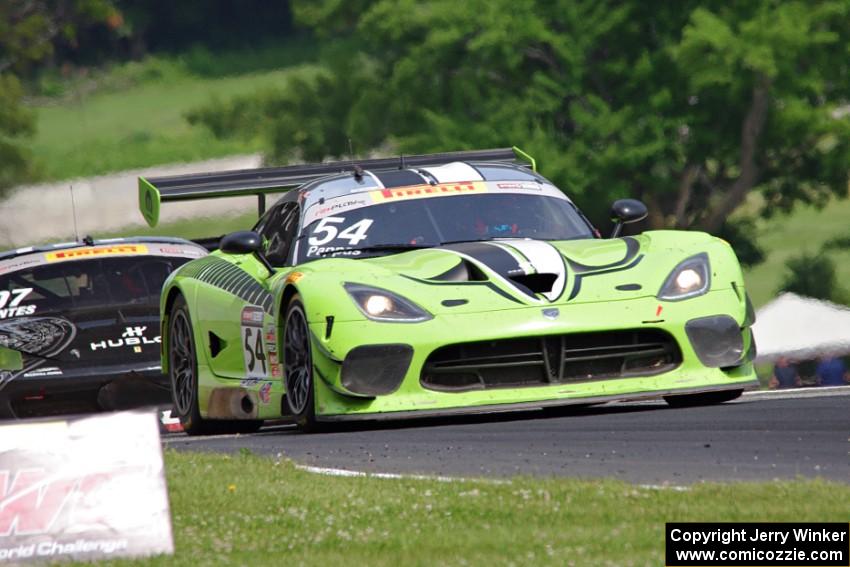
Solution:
(383, 305)
(692, 277)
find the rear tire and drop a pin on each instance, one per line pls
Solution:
(705, 399)
(183, 374)
(298, 367)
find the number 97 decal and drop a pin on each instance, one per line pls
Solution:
(253, 343)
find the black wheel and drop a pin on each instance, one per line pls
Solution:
(705, 399)
(183, 371)
(298, 367)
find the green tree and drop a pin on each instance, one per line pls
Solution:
(813, 275)
(29, 31)
(689, 106)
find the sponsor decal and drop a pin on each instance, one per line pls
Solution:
(293, 277)
(276, 371)
(265, 393)
(16, 264)
(46, 371)
(422, 191)
(189, 252)
(551, 313)
(43, 337)
(96, 251)
(77, 490)
(520, 185)
(252, 316)
(337, 205)
(131, 337)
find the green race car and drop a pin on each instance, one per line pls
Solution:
(434, 284)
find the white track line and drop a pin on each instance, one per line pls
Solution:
(328, 471)
(795, 393)
(395, 476)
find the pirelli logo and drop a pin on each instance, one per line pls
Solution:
(423, 191)
(96, 251)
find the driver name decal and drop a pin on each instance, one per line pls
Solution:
(10, 303)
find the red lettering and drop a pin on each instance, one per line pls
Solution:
(32, 502)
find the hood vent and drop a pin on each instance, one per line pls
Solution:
(536, 283)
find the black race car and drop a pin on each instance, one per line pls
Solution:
(85, 318)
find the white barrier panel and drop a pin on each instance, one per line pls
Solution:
(84, 488)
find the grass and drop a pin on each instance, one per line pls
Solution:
(132, 115)
(247, 510)
(805, 230)
(189, 228)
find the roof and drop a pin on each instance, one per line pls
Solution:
(801, 328)
(454, 172)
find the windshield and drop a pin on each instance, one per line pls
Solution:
(417, 223)
(84, 284)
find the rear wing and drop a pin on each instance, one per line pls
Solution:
(244, 182)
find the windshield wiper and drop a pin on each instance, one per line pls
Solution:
(377, 247)
(483, 239)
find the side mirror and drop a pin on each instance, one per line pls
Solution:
(625, 211)
(245, 242)
(241, 242)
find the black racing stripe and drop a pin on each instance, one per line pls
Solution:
(494, 257)
(632, 248)
(519, 253)
(579, 277)
(399, 178)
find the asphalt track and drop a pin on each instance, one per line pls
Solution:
(759, 437)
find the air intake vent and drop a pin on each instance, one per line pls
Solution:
(537, 283)
(552, 359)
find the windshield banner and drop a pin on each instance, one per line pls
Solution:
(354, 201)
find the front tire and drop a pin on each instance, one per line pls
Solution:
(183, 374)
(298, 367)
(705, 399)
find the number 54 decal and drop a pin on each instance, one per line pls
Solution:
(253, 343)
(326, 231)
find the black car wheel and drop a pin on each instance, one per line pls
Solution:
(298, 367)
(183, 371)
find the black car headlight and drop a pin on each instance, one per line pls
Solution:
(690, 278)
(383, 305)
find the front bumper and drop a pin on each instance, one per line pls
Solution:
(690, 374)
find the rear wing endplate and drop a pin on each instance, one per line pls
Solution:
(157, 190)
